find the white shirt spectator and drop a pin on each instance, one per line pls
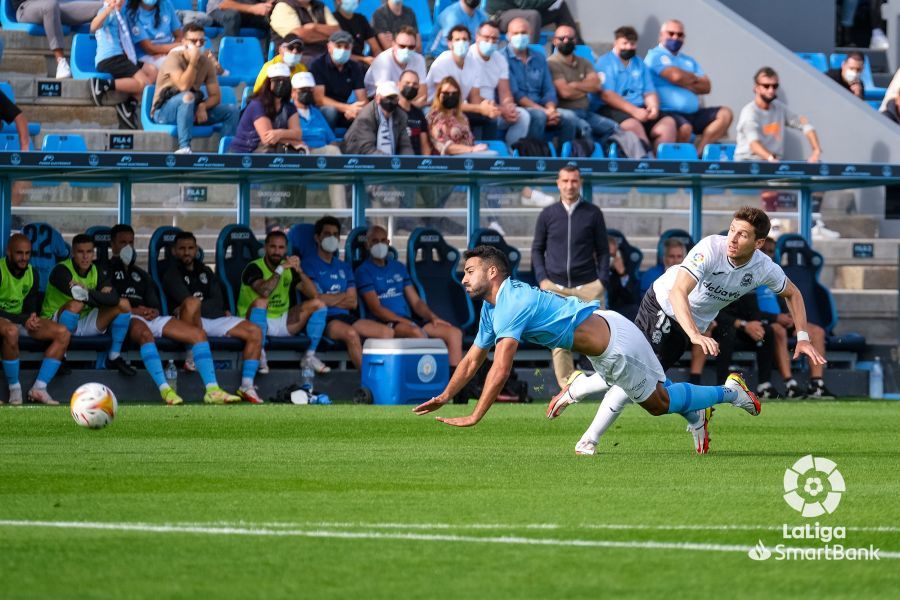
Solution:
(445, 66)
(486, 73)
(386, 68)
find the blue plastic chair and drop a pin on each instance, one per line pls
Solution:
(816, 59)
(224, 143)
(159, 256)
(245, 96)
(566, 150)
(718, 152)
(871, 91)
(33, 128)
(47, 248)
(497, 146)
(236, 246)
(242, 57)
(9, 22)
(9, 142)
(676, 152)
(84, 50)
(432, 266)
(424, 20)
(148, 124)
(538, 49)
(54, 142)
(585, 52)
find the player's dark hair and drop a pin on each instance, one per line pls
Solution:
(461, 28)
(492, 256)
(856, 56)
(274, 234)
(757, 218)
(82, 238)
(571, 168)
(489, 23)
(764, 72)
(192, 26)
(327, 220)
(183, 235)
(626, 31)
(408, 30)
(117, 229)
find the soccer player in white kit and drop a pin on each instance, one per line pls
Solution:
(514, 312)
(682, 303)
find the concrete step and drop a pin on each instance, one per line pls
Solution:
(143, 141)
(872, 313)
(862, 278)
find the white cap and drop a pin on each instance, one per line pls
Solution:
(278, 70)
(303, 79)
(387, 88)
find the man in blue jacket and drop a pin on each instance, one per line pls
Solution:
(570, 253)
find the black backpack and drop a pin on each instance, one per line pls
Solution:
(532, 148)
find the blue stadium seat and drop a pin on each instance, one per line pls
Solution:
(54, 142)
(245, 96)
(718, 152)
(236, 247)
(490, 237)
(432, 266)
(9, 22)
(816, 59)
(158, 258)
(102, 242)
(585, 52)
(47, 248)
(679, 234)
(538, 49)
(242, 57)
(424, 20)
(33, 128)
(9, 142)
(872, 91)
(676, 152)
(566, 150)
(84, 50)
(497, 146)
(148, 124)
(631, 256)
(224, 143)
(301, 239)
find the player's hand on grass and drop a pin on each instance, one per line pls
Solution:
(466, 421)
(707, 344)
(431, 405)
(807, 348)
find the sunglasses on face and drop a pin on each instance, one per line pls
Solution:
(768, 86)
(409, 47)
(676, 34)
(196, 41)
(564, 38)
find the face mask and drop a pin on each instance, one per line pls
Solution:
(305, 98)
(566, 48)
(282, 89)
(450, 101)
(292, 60)
(627, 54)
(402, 55)
(673, 45)
(127, 255)
(473, 3)
(851, 76)
(486, 48)
(340, 55)
(519, 41)
(349, 6)
(330, 244)
(409, 91)
(379, 251)
(389, 104)
(460, 48)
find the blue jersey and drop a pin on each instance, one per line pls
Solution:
(388, 283)
(527, 314)
(109, 43)
(673, 97)
(335, 277)
(630, 81)
(143, 25)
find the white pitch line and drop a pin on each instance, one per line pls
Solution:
(374, 535)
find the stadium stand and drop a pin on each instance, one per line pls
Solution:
(242, 59)
(84, 50)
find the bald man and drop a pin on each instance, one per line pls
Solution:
(20, 305)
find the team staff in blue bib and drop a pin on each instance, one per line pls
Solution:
(388, 294)
(514, 312)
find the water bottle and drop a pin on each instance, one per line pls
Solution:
(172, 375)
(876, 379)
(307, 374)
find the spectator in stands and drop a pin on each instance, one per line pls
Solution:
(452, 63)
(679, 81)
(674, 252)
(360, 30)
(155, 29)
(448, 128)
(774, 310)
(195, 297)
(267, 299)
(415, 118)
(891, 108)
(338, 292)
(52, 14)
(575, 81)
(290, 52)
(570, 253)
(270, 124)
(848, 76)
(532, 86)
(537, 13)
(317, 135)
(10, 113)
(179, 100)
(81, 298)
(461, 12)
(338, 79)
(232, 15)
(390, 18)
(380, 127)
(623, 291)
(389, 296)
(135, 286)
(20, 303)
(116, 55)
(628, 95)
(310, 20)
(761, 124)
(388, 65)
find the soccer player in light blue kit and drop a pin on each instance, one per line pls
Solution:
(514, 312)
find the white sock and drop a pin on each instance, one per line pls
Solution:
(310, 352)
(38, 385)
(18, 386)
(246, 382)
(164, 387)
(113, 355)
(587, 385)
(613, 403)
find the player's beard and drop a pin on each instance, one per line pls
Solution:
(478, 291)
(274, 259)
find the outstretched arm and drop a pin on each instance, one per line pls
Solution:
(684, 285)
(464, 373)
(797, 308)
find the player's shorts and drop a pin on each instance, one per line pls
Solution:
(699, 120)
(277, 326)
(349, 319)
(87, 324)
(221, 326)
(628, 361)
(666, 337)
(156, 325)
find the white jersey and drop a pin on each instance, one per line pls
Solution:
(719, 282)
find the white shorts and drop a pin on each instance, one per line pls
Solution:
(221, 326)
(156, 326)
(629, 361)
(87, 325)
(278, 326)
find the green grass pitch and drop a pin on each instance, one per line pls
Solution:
(354, 501)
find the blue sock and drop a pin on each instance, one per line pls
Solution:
(11, 370)
(204, 362)
(258, 317)
(248, 372)
(684, 397)
(69, 320)
(150, 356)
(48, 371)
(118, 329)
(315, 328)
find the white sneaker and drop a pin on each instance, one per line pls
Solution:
(63, 71)
(263, 364)
(496, 227)
(563, 399)
(15, 396)
(538, 198)
(41, 396)
(185, 150)
(585, 448)
(700, 431)
(745, 398)
(820, 232)
(318, 366)
(879, 40)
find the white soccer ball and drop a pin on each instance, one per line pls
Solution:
(93, 405)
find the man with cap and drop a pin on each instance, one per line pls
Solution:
(380, 128)
(338, 79)
(317, 135)
(290, 52)
(389, 65)
(270, 123)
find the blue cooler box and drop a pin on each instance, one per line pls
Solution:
(405, 371)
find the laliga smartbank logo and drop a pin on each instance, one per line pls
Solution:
(813, 486)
